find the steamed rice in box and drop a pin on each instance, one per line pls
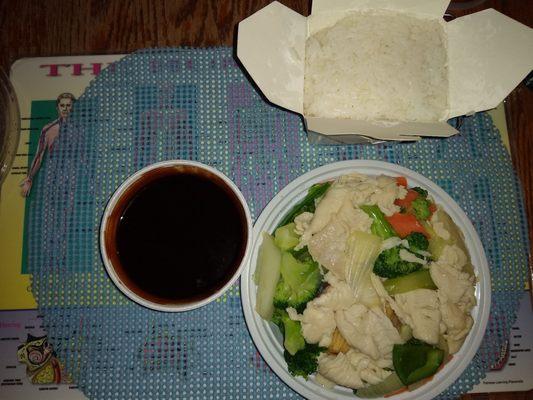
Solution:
(377, 65)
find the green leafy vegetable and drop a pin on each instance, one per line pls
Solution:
(285, 237)
(292, 331)
(415, 280)
(300, 282)
(390, 384)
(416, 360)
(308, 202)
(380, 226)
(305, 361)
(267, 275)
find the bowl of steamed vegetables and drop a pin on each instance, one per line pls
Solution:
(366, 280)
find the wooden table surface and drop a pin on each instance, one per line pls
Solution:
(78, 27)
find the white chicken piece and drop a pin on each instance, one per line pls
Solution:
(318, 323)
(302, 222)
(337, 296)
(368, 330)
(353, 369)
(382, 191)
(438, 227)
(352, 179)
(457, 286)
(361, 193)
(457, 324)
(360, 189)
(338, 369)
(386, 298)
(390, 243)
(388, 191)
(420, 310)
(354, 218)
(410, 257)
(453, 255)
(328, 245)
(456, 296)
(338, 214)
(325, 210)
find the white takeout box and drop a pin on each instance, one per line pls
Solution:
(488, 55)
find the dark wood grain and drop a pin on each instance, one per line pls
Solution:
(76, 27)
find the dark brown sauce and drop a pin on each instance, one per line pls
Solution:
(180, 235)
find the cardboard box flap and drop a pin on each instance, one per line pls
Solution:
(435, 8)
(489, 54)
(271, 46)
(379, 129)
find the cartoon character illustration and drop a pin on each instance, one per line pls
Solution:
(42, 366)
(49, 134)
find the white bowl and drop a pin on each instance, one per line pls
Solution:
(108, 258)
(267, 337)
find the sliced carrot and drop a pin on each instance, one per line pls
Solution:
(407, 200)
(401, 181)
(404, 224)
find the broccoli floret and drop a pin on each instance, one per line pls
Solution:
(420, 191)
(305, 361)
(282, 294)
(299, 283)
(277, 319)
(302, 255)
(390, 265)
(291, 330)
(420, 208)
(417, 242)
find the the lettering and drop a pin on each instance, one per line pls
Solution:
(53, 69)
(77, 69)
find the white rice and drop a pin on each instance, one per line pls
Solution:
(377, 65)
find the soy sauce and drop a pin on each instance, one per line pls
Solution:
(181, 236)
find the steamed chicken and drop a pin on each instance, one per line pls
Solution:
(370, 283)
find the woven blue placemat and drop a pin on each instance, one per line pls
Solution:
(197, 104)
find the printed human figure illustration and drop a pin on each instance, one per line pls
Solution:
(49, 134)
(42, 366)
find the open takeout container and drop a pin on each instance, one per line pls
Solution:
(488, 55)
